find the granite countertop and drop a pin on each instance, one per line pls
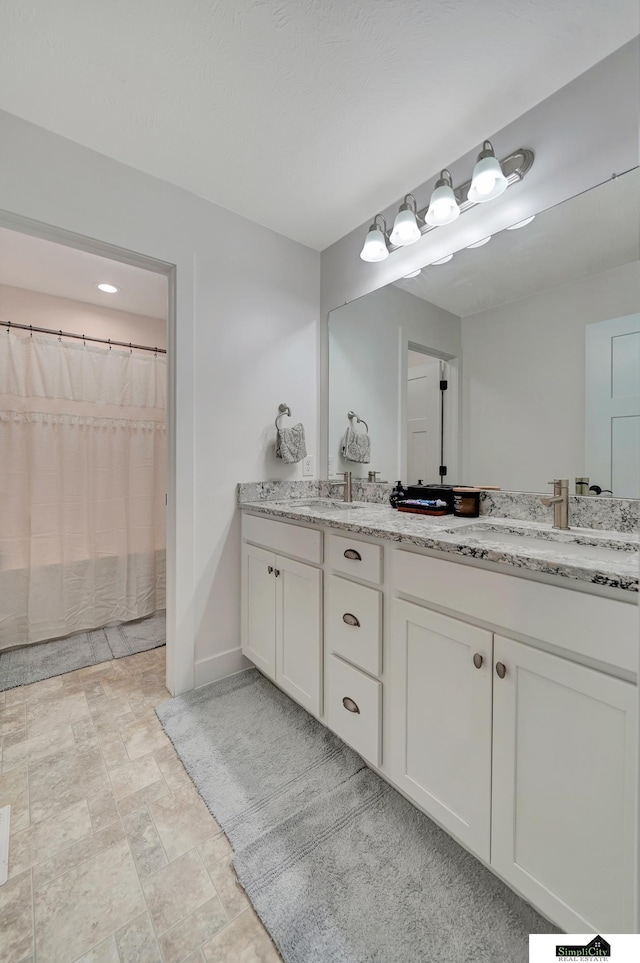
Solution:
(599, 557)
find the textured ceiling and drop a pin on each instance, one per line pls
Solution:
(303, 115)
(38, 265)
(590, 233)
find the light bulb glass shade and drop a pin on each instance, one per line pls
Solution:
(413, 274)
(481, 243)
(516, 227)
(443, 260)
(405, 229)
(375, 245)
(487, 182)
(443, 207)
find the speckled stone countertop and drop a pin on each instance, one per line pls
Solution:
(600, 557)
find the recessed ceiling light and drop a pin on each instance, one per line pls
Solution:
(527, 220)
(414, 274)
(443, 260)
(107, 288)
(485, 240)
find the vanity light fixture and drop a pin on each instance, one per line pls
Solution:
(516, 227)
(443, 206)
(443, 260)
(413, 274)
(405, 227)
(107, 288)
(375, 243)
(488, 180)
(481, 243)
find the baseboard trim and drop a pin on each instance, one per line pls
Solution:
(218, 666)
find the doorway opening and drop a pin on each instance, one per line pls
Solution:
(85, 451)
(429, 403)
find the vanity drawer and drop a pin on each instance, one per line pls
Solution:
(353, 622)
(354, 708)
(360, 559)
(304, 543)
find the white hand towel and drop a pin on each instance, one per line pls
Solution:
(290, 444)
(356, 446)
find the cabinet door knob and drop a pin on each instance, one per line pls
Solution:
(270, 569)
(501, 669)
(276, 572)
(351, 620)
(478, 660)
(353, 555)
(350, 705)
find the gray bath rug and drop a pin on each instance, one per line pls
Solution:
(338, 865)
(46, 659)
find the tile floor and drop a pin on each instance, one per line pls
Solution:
(114, 857)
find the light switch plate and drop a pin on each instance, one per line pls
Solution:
(307, 467)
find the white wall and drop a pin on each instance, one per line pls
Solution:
(368, 346)
(79, 317)
(246, 339)
(524, 380)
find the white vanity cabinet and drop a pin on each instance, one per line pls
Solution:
(440, 719)
(282, 608)
(504, 707)
(526, 756)
(564, 764)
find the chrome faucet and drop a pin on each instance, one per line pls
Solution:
(560, 502)
(346, 484)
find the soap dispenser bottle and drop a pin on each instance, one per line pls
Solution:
(398, 493)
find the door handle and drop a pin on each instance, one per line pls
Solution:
(270, 569)
(350, 705)
(501, 670)
(351, 620)
(354, 556)
(478, 660)
(276, 572)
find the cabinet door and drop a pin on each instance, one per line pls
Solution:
(259, 608)
(440, 707)
(564, 777)
(299, 632)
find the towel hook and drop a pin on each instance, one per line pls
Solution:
(359, 420)
(282, 410)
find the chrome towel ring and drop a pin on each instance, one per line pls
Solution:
(359, 420)
(282, 410)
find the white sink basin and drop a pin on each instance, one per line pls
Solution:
(320, 505)
(566, 544)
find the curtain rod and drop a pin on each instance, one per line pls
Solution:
(81, 337)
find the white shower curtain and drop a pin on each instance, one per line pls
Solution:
(82, 483)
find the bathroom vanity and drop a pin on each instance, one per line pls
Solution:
(487, 670)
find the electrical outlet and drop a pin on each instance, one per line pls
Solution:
(307, 467)
(332, 465)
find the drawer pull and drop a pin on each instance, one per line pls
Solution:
(350, 705)
(270, 569)
(351, 620)
(353, 555)
(478, 660)
(277, 572)
(501, 669)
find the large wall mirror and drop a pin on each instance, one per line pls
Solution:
(510, 364)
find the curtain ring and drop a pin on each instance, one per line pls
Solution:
(130, 348)
(155, 353)
(30, 329)
(60, 336)
(109, 344)
(84, 343)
